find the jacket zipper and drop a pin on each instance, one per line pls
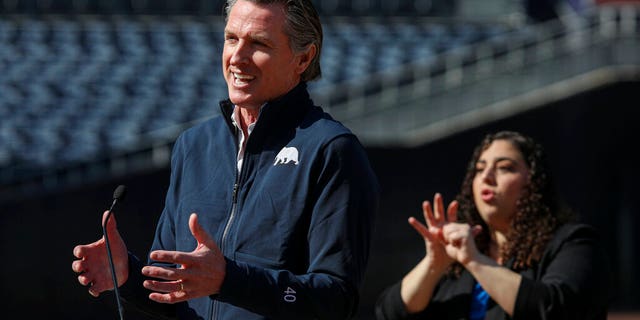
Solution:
(234, 201)
(231, 216)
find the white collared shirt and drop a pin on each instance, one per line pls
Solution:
(235, 120)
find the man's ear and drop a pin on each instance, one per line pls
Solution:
(305, 58)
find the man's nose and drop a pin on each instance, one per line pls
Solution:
(240, 53)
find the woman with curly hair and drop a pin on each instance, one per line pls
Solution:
(505, 249)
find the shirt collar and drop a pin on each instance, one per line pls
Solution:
(235, 119)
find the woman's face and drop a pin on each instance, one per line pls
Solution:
(501, 174)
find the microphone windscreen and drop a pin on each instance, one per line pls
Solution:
(119, 193)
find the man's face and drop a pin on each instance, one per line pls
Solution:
(257, 61)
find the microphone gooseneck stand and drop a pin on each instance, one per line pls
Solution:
(118, 194)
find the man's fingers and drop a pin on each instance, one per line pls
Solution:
(163, 273)
(94, 287)
(173, 257)
(77, 252)
(171, 297)
(94, 293)
(199, 233)
(111, 223)
(77, 266)
(81, 251)
(84, 280)
(205, 242)
(163, 286)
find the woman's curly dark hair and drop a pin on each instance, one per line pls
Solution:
(539, 210)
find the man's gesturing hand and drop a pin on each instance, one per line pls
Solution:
(199, 273)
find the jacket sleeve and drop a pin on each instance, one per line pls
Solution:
(339, 231)
(450, 300)
(574, 283)
(389, 305)
(133, 293)
(136, 296)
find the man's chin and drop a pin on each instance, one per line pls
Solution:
(244, 101)
(239, 97)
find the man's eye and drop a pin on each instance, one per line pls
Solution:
(260, 44)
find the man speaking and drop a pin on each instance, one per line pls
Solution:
(271, 205)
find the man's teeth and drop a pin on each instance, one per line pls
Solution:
(242, 77)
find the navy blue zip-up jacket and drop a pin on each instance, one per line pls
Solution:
(297, 243)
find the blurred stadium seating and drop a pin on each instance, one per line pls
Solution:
(208, 7)
(93, 94)
(78, 90)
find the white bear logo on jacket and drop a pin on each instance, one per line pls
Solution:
(287, 155)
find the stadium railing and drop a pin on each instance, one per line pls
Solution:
(527, 67)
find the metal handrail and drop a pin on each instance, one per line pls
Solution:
(551, 39)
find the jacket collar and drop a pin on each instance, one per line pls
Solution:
(284, 112)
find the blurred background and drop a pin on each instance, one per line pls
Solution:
(94, 92)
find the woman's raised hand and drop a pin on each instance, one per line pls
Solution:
(432, 232)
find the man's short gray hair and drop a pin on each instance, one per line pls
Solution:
(302, 26)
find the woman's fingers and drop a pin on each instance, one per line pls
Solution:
(419, 227)
(428, 214)
(452, 211)
(438, 211)
(476, 230)
(436, 217)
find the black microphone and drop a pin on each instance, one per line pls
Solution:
(118, 196)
